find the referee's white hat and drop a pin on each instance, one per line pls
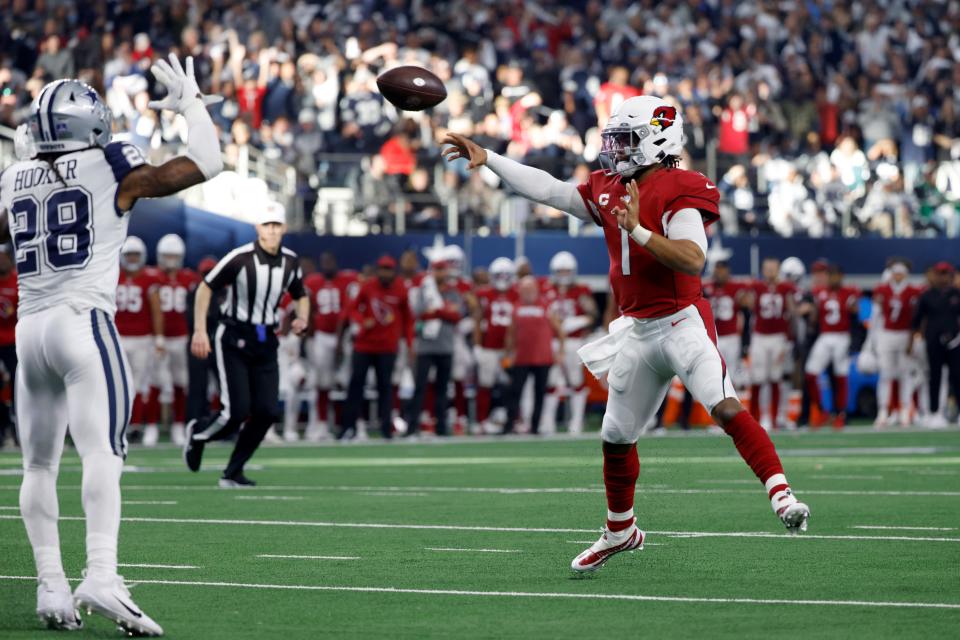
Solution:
(272, 212)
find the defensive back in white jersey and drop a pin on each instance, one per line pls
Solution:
(66, 228)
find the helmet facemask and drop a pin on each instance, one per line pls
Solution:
(620, 151)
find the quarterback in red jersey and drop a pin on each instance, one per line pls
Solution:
(836, 306)
(140, 325)
(174, 286)
(574, 305)
(653, 217)
(496, 302)
(772, 300)
(893, 305)
(727, 298)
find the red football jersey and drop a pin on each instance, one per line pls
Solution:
(9, 296)
(897, 306)
(173, 291)
(723, 301)
(833, 308)
(412, 282)
(567, 304)
(497, 309)
(382, 315)
(133, 306)
(644, 287)
(329, 299)
(770, 314)
(533, 335)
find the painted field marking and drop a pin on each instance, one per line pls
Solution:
(646, 544)
(832, 477)
(289, 557)
(879, 526)
(151, 502)
(456, 527)
(400, 494)
(157, 566)
(279, 498)
(525, 490)
(454, 549)
(9, 508)
(546, 595)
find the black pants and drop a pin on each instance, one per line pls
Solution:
(198, 380)
(360, 363)
(938, 355)
(251, 396)
(8, 355)
(442, 364)
(518, 378)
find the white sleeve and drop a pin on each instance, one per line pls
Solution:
(687, 224)
(203, 147)
(539, 186)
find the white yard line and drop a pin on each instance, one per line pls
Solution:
(880, 526)
(279, 498)
(391, 494)
(457, 527)
(832, 477)
(527, 490)
(285, 557)
(151, 502)
(9, 508)
(545, 595)
(473, 550)
(646, 544)
(158, 566)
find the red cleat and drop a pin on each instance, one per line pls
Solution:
(840, 421)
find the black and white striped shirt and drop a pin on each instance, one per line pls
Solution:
(255, 282)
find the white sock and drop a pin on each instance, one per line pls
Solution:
(291, 407)
(781, 498)
(101, 504)
(578, 407)
(40, 511)
(548, 415)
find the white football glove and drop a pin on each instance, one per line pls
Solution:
(181, 85)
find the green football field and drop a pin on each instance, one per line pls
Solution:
(473, 539)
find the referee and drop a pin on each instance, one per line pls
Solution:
(255, 277)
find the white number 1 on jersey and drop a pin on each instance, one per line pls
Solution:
(624, 252)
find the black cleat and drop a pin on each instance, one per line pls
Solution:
(193, 449)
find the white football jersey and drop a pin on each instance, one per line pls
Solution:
(66, 229)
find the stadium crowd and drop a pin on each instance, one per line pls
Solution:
(815, 118)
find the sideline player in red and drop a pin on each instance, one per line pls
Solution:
(573, 303)
(894, 304)
(140, 325)
(496, 302)
(726, 297)
(772, 300)
(653, 216)
(836, 304)
(175, 285)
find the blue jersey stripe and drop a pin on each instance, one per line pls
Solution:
(127, 404)
(108, 374)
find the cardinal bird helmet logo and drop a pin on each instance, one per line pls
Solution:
(663, 117)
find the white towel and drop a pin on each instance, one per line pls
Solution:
(598, 355)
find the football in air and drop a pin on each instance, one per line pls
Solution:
(411, 88)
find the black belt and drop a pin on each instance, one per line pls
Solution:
(257, 332)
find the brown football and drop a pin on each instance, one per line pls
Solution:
(411, 88)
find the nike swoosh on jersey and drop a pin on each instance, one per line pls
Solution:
(673, 324)
(711, 186)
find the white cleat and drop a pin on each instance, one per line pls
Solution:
(110, 598)
(55, 606)
(794, 517)
(151, 435)
(609, 544)
(178, 434)
(291, 435)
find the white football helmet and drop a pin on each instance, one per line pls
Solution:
(170, 251)
(563, 268)
(643, 131)
(133, 254)
(792, 269)
(502, 274)
(454, 257)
